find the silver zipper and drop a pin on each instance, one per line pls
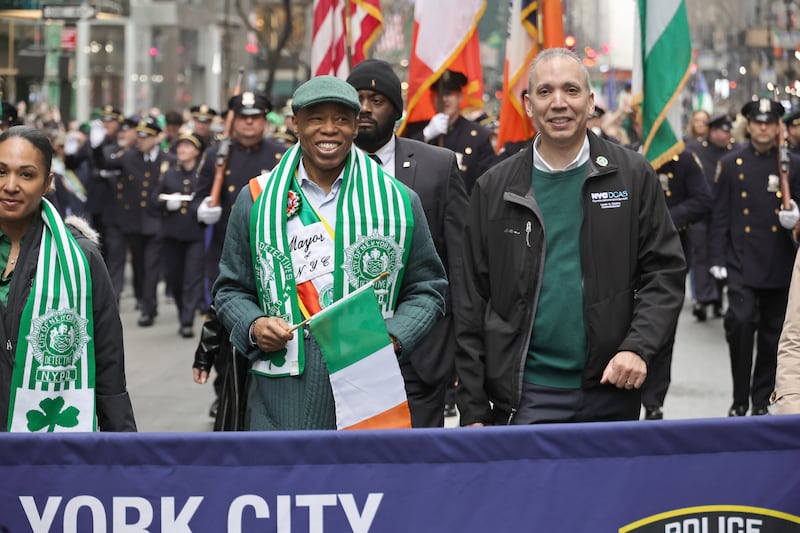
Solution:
(528, 234)
(512, 413)
(8, 344)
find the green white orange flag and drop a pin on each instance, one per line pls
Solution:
(368, 388)
(662, 65)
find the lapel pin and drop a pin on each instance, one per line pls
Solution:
(406, 164)
(601, 160)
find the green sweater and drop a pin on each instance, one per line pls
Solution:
(557, 351)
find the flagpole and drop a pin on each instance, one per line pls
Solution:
(381, 276)
(348, 36)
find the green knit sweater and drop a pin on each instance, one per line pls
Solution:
(557, 352)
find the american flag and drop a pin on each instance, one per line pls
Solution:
(329, 41)
(338, 23)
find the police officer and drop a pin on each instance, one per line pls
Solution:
(792, 121)
(707, 290)
(250, 155)
(688, 198)
(181, 234)
(752, 247)
(142, 167)
(595, 123)
(469, 140)
(202, 116)
(106, 139)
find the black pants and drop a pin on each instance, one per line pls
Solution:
(112, 243)
(183, 264)
(754, 316)
(705, 288)
(544, 405)
(145, 259)
(426, 402)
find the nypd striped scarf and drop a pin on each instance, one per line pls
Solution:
(52, 388)
(374, 225)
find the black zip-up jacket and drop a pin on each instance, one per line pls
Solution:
(631, 258)
(114, 411)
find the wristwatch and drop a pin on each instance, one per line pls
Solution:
(251, 334)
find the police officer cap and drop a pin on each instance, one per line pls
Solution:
(763, 110)
(793, 118)
(148, 127)
(193, 139)
(598, 112)
(321, 89)
(203, 113)
(377, 75)
(111, 114)
(249, 103)
(720, 122)
(129, 123)
(450, 81)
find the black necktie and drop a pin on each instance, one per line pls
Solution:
(377, 159)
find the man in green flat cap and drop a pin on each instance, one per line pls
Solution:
(324, 222)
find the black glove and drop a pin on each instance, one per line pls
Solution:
(210, 339)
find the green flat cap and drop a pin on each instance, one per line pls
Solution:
(325, 89)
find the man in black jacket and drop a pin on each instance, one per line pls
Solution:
(562, 327)
(432, 173)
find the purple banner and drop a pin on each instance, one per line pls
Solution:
(699, 476)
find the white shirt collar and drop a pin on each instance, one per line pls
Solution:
(153, 153)
(386, 153)
(541, 164)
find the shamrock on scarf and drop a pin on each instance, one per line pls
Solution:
(52, 415)
(278, 358)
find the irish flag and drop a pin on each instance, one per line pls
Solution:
(365, 376)
(662, 64)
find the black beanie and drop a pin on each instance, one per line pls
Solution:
(377, 75)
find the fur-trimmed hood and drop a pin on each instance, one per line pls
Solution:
(83, 226)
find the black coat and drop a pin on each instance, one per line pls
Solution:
(432, 173)
(114, 411)
(470, 141)
(746, 236)
(631, 258)
(135, 191)
(685, 188)
(180, 225)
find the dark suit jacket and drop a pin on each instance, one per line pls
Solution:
(432, 173)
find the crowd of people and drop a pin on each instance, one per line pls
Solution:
(499, 291)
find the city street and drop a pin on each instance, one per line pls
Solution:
(166, 399)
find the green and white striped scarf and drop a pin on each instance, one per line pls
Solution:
(374, 225)
(52, 388)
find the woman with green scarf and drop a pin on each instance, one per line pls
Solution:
(61, 355)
